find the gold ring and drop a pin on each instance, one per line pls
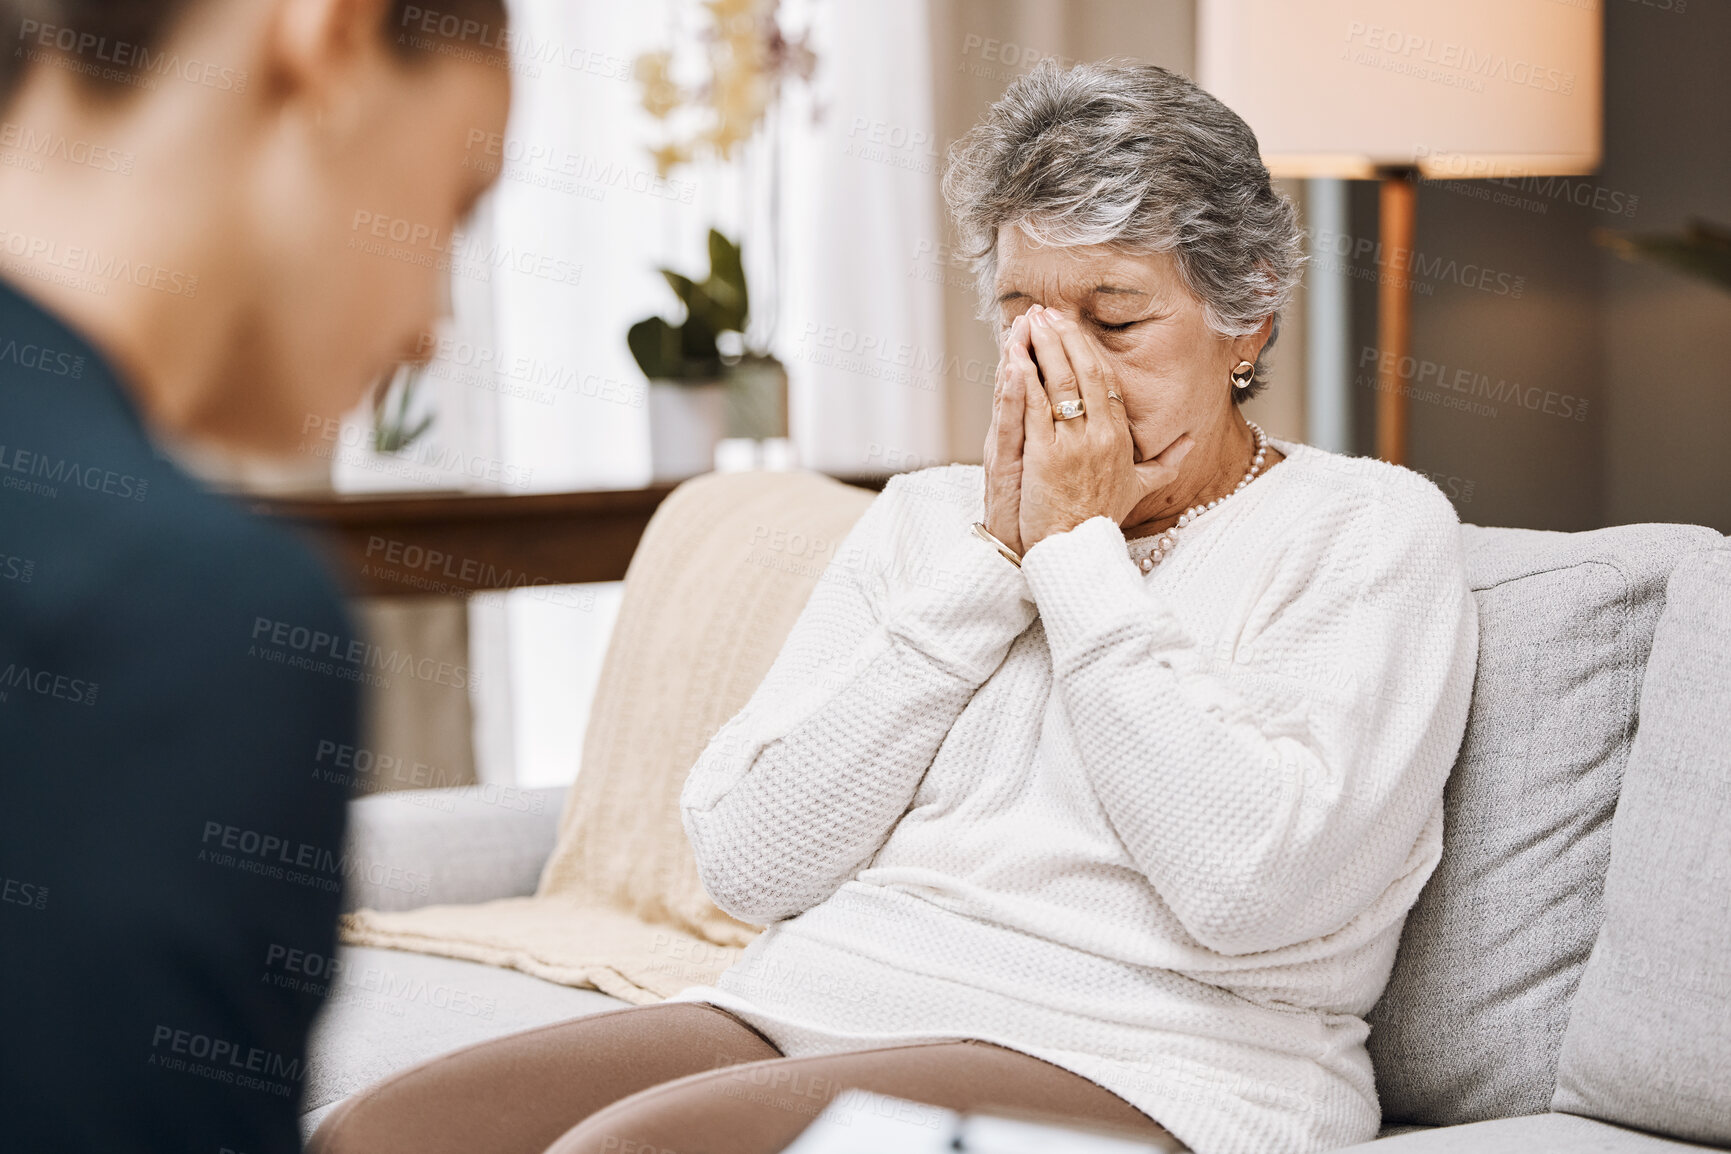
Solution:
(1068, 410)
(1114, 397)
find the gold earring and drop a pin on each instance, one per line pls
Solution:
(1242, 374)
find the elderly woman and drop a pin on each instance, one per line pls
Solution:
(1096, 782)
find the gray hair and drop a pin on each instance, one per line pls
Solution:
(1136, 157)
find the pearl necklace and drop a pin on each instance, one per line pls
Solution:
(1163, 542)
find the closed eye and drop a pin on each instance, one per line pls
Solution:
(1117, 328)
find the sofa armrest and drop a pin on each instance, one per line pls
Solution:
(424, 847)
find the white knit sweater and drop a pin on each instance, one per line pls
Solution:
(1159, 829)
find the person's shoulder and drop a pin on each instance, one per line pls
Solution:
(1369, 490)
(179, 558)
(209, 542)
(117, 531)
(221, 541)
(1386, 531)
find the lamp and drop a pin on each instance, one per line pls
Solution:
(1396, 90)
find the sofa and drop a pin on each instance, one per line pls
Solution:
(1563, 983)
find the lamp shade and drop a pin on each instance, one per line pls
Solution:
(1455, 88)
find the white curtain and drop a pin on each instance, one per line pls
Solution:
(862, 331)
(577, 191)
(556, 402)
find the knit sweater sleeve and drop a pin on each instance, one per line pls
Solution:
(1272, 788)
(802, 786)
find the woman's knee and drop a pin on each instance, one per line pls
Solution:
(520, 1092)
(760, 1107)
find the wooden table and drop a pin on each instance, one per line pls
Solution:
(454, 544)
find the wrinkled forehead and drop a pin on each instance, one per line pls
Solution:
(1026, 267)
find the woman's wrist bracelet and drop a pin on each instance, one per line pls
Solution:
(1004, 550)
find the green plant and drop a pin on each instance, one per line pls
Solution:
(1702, 250)
(392, 430)
(718, 304)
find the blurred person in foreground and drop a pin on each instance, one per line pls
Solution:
(1096, 782)
(179, 186)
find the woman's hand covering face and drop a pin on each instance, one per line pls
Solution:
(1003, 455)
(1069, 470)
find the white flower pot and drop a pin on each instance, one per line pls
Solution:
(757, 399)
(686, 422)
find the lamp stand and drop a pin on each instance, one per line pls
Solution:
(1397, 222)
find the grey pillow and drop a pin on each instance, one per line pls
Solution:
(409, 848)
(1473, 1015)
(1649, 1036)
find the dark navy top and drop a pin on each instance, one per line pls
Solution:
(164, 842)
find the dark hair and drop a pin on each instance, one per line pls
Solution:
(111, 42)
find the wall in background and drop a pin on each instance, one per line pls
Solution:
(1594, 390)
(1666, 338)
(1505, 401)
(1280, 410)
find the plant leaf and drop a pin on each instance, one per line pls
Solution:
(655, 345)
(726, 283)
(683, 286)
(718, 314)
(1702, 250)
(415, 433)
(391, 430)
(726, 261)
(697, 347)
(688, 351)
(674, 352)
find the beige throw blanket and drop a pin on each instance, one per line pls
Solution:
(722, 572)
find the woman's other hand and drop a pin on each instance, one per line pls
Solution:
(1003, 456)
(1086, 466)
